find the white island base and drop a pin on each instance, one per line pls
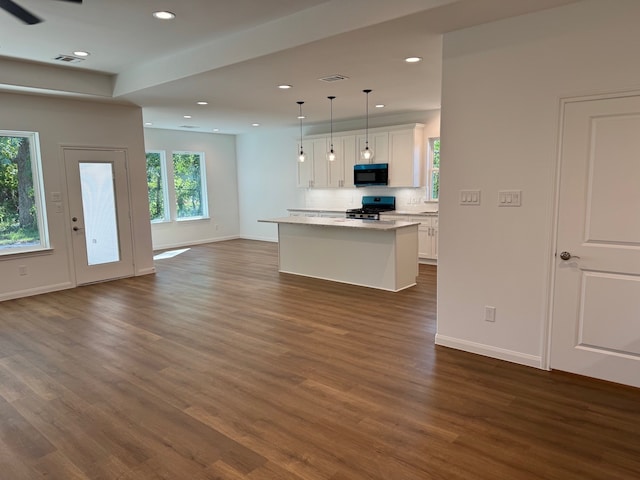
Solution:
(376, 254)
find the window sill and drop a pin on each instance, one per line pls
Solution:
(8, 254)
(193, 219)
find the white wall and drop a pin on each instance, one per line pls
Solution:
(266, 180)
(82, 123)
(222, 186)
(267, 172)
(502, 84)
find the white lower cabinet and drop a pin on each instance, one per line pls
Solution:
(428, 238)
(427, 233)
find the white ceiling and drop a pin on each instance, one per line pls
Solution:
(234, 53)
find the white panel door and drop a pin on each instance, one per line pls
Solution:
(98, 194)
(596, 301)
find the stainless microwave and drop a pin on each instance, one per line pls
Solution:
(366, 174)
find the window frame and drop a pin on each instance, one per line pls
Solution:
(203, 186)
(431, 169)
(39, 195)
(165, 186)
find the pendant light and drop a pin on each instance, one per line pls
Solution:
(301, 155)
(331, 156)
(367, 153)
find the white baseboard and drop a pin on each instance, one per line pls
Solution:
(192, 242)
(36, 291)
(145, 271)
(260, 239)
(490, 351)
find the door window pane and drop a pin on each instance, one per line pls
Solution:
(99, 206)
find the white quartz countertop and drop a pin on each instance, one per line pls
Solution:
(307, 209)
(343, 210)
(343, 222)
(408, 213)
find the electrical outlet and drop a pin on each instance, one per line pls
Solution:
(489, 313)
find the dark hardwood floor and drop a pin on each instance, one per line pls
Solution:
(219, 367)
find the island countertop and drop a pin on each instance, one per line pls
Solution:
(384, 225)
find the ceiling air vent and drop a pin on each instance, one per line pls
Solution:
(333, 78)
(68, 59)
(188, 126)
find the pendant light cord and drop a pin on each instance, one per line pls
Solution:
(300, 117)
(331, 123)
(366, 140)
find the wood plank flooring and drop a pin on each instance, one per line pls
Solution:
(219, 367)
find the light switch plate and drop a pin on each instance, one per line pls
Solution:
(469, 197)
(509, 198)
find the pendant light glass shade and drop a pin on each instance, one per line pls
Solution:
(367, 153)
(301, 155)
(331, 155)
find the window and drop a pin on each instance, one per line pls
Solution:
(23, 224)
(434, 169)
(189, 184)
(157, 186)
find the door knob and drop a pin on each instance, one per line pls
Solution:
(567, 256)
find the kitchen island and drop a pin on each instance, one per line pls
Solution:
(379, 254)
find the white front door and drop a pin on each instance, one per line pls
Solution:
(596, 306)
(99, 210)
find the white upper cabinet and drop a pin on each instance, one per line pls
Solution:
(341, 169)
(378, 143)
(314, 171)
(402, 147)
(406, 157)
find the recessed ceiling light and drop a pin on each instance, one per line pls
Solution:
(255, 124)
(216, 129)
(162, 15)
(285, 87)
(148, 124)
(81, 53)
(412, 59)
(202, 102)
(380, 105)
(301, 117)
(187, 116)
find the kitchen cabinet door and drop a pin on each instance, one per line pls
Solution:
(406, 158)
(320, 163)
(428, 237)
(379, 143)
(341, 170)
(305, 169)
(314, 172)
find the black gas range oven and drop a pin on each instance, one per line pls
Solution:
(371, 207)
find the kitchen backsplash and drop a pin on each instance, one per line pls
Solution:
(407, 199)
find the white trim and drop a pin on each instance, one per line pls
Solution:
(145, 271)
(551, 273)
(196, 242)
(36, 291)
(260, 239)
(490, 351)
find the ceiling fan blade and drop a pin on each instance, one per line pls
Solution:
(16, 10)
